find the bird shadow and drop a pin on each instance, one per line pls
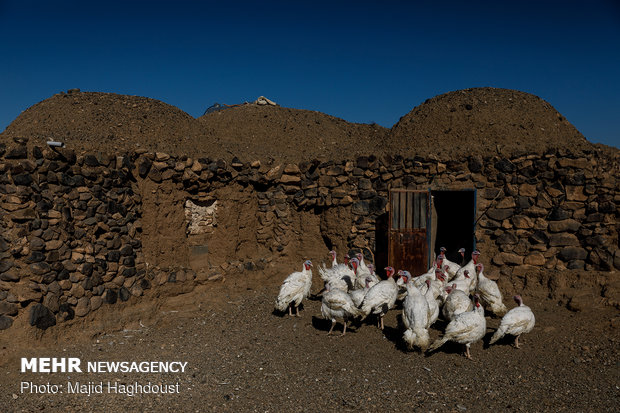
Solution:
(279, 313)
(507, 340)
(322, 324)
(283, 314)
(395, 335)
(449, 347)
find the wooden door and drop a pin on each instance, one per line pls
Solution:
(408, 235)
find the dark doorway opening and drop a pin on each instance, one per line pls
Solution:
(381, 242)
(454, 213)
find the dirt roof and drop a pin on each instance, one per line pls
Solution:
(289, 134)
(87, 121)
(483, 121)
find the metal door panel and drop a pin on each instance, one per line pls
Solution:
(408, 237)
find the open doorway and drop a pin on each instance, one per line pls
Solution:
(382, 228)
(453, 227)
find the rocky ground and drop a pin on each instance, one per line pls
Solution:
(244, 357)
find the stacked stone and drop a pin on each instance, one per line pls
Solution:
(555, 210)
(196, 174)
(552, 211)
(70, 234)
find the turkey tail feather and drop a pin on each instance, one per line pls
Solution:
(409, 338)
(356, 312)
(420, 340)
(438, 343)
(323, 273)
(500, 310)
(364, 310)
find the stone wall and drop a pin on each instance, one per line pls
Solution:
(70, 234)
(72, 231)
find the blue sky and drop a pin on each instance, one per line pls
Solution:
(357, 60)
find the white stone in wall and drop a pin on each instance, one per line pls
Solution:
(200, 219)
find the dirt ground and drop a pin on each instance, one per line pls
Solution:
(244, 357)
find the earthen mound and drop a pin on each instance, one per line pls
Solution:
(87, 121)
(252, 131)
(484, 121)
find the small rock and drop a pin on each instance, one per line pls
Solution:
(7, 308)
(83, 307)
(5, 322)
(124, 294)
(41, 317)
(215, 277)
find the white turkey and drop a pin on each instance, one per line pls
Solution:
(415, 316)
(462, 252)
(363, 266)
(324, 271)
(466, 328)
(370, 276)
(373, 275)
(438, 281)
(334, 260)
(490, 295)
(294, 289)
(343, 283)
(452, 267)
(433, 307)
(519, 320)
(363, 271)
(358, 295)
(464, 282)
(401, 284)
(420, 280)
(337, 305)
(437, 285)
(336, 271)
(456, 302)
(362, 275)
(381, 297)
(470, 266)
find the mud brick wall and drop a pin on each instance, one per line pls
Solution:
(556, 210)
(73, 239)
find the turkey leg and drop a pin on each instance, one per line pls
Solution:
(332, 327)
(467, 352)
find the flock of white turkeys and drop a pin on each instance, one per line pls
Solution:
(459, 293)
